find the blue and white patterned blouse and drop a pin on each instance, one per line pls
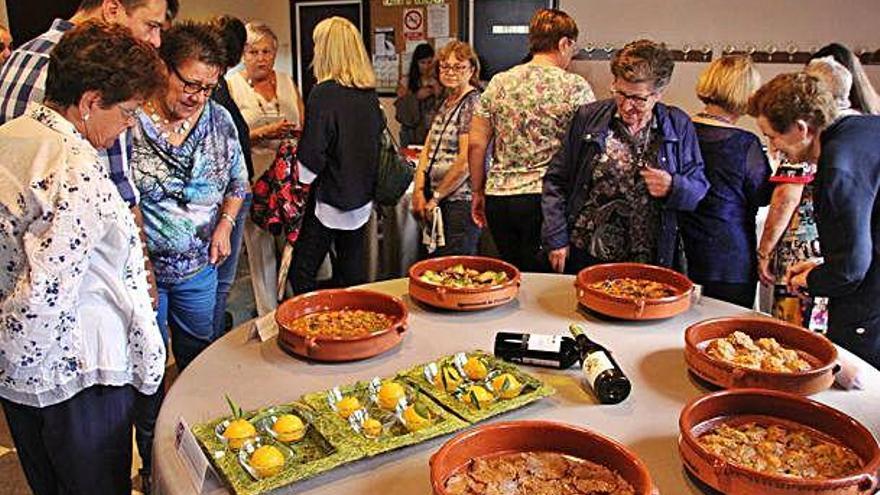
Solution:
(183, 187)
(75, 308)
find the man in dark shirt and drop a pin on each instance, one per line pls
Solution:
(797, 114)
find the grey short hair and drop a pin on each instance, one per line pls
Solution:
(835, 76)
(257, 31)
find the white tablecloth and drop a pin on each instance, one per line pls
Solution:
(260, 374)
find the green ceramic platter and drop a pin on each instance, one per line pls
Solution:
(394, 433)
(314, 454)
(533, 388)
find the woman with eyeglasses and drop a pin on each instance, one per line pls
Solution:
(78, 335)
(442, 178)
(271, 105)
(188, 167)
(627, 167)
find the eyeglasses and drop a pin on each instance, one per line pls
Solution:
(128, 113)
(639, 101)
(192, 87)
(454, 67)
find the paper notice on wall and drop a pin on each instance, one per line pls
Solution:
(414, 24)
(438, 20)
(387, 69)
(384, 42)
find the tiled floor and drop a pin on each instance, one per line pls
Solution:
(12, 480)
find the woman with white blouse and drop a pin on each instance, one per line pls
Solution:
(78, 335)
(273, 108)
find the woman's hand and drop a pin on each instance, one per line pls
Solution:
(220, 246)
(277, 130)
(796, 275)
(417, 205)
(764, 272)
(557, 259)
(478, 209)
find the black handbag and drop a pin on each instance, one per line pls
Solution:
(395, 173)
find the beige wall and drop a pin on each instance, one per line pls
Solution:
(806, 23)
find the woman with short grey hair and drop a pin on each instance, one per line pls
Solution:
(272, 106)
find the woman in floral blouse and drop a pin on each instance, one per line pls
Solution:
(77, 330)
(526, 110)
(188, 166)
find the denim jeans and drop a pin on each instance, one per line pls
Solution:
(187, 309)
(226, 271)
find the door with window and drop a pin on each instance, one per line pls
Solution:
(498, 30)
(304, 16)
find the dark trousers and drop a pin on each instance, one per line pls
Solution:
(146, 410)
(461, 234)
(79, 446)
(515, 223)
(739, 294)
(349, 266)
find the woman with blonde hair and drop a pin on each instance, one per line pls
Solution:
(719, 236)
(339, 154)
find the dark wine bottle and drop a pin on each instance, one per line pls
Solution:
(552, 351)
(601, 371)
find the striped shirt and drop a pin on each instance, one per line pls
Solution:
(23, 82)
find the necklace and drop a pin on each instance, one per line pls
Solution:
(273, 83)
(165, 126)
(718, 118)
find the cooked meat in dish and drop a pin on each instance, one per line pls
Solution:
(780, 450)
(536, 473)
(636, 288)
(763, 354)
(343, 324)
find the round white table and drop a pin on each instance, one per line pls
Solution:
(257, 374)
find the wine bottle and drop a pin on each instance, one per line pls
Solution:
(552, 351)
(601, 371)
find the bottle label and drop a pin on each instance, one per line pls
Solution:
(545, 343)
(594, 364)
(540, 362)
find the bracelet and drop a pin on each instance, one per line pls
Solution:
(228, 217)
(762, 255)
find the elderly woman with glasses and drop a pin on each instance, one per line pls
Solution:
(188, 166)
(627, 167)
(78, 336)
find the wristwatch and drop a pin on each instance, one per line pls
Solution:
(436, 197)
(229, 218)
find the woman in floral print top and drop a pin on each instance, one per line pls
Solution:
(526, 110)
(77, 328)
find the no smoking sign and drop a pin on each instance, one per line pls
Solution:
(414, 24)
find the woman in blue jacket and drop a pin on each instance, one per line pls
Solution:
(628, 166)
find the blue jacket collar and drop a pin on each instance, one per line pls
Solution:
(597, 127)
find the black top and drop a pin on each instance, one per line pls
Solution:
(221, 95)
(719, 236)
(847, 201)
(340, 143)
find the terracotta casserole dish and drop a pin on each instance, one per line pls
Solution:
(629, 308)
(537, 436)
(770, 407)
(463, 298)
(814, 348)
(340, 349)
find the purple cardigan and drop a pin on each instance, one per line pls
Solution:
(563, 195)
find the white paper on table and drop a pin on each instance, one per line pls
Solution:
(264, 327)
(197, 466)
(438, 20)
